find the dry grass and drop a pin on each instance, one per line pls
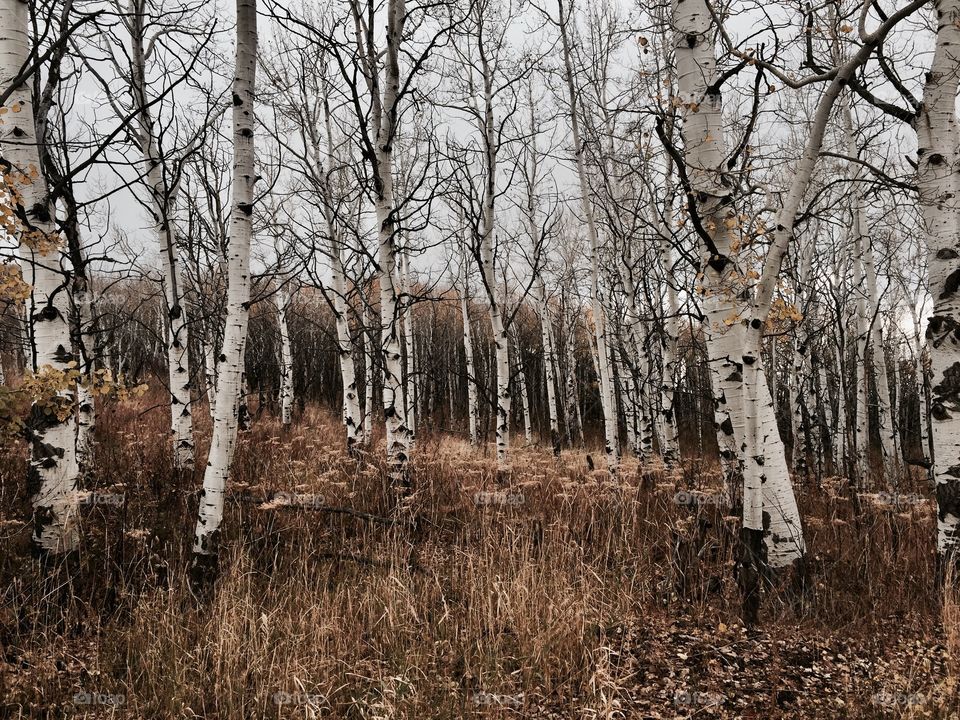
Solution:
(574, 600)
(951, 622)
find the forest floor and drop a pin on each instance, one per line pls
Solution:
(566, 594)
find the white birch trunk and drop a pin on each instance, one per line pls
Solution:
(642, 440)
(282, 300)
(53, 474)
(230, 367)
(368, 378)
(348, 373)
(823, 420)
(936, 127)
(572, 404)
(488, 271)
(861, 430)
(472, 409)
(706, 150)
(162, 202)
(920, 372)
(839, 438)
(86, 405)
(384, 120)
(522, 390)
(645, 402)
(671, 431)
(744, 403)
(889, 444)
(628, 396)
(796, 414)
(549, 364)
(410, 394)
(599, 324)
(802, 373)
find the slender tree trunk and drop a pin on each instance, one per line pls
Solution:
(549, 364)
(611, 431)
(348, 374)
(628, 394)
(230, 370)
(869, 332)
(647, 412)
(472, 410)
(385, 119)
(889, 445)
(522, 389)
(86, 404)
(802, 372)
(643, 439)
(823, 421)
(840, 434)
(920, 375)
(861, 434)
(489, 274)
(410, 395)
(670, 362)
(572, 404)
(282, 300)
(367, 378)
(163, 197)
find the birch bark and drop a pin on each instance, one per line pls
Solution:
(282, 301)
(230, 367)
(522, 389)
(410, 395)
(604, 360)
(549, 363)
(472, 409)
(385, 119)
(367, 378)
(936, 127)
(162, 203)
(348, 374)
(745, 410)
(53, 473)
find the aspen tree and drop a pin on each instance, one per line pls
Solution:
(282, 301)
(604, 359)
(162, 187)
(230, 367)
(937, 138)
(52, 426)
(472, 409)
